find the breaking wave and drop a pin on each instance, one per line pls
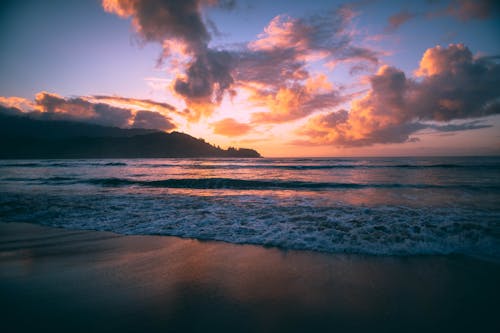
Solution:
(241, 184)
(382, 206)
(292, 223)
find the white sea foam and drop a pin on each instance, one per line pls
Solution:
(394, 206)
(293, 223)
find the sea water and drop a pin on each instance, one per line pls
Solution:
(374, 206)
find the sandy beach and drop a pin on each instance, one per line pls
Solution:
(61, 280)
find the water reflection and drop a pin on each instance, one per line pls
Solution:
(153, 283)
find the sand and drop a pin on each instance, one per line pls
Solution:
(58, 280)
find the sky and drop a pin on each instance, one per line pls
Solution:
(288, 78)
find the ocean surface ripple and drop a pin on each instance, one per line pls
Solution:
(375, 206)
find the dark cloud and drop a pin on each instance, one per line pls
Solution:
(150, 119)
(54, 107)
(270, 68)
(464, 10)
(467, 10)
(207, 75)
(135, 101)
(226, 4)
(453, 86)
(138, 104)
(276, 62)
(157, 20)
(212, 27)
(467, 126)
(396, 20)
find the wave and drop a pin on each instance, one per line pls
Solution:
(314, 166)
(241, 184)
(231, 166)
(59, 164)
(84, 164)
(286, 223)
(20, 165)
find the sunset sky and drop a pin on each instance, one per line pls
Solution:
(286, 77)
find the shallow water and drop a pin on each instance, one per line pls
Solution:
(390, 206)
(55, 280)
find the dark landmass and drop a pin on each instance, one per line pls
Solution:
(25, 137)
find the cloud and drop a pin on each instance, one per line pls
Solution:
(55, 107)
(453, 85)
(135, 102)
(296, 41)
(467, 10)
(291, 103)
(464, 10)
(144, 104)
(274, 69)
(19, 103)
(439, 60)
(157, 20)
(172, 22)
(150, 119)
(466, 126)
(206, 78)
(396, 20)
(230, 127)
(273, 66)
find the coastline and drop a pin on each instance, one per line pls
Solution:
(74, 280)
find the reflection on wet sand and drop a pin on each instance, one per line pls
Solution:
(100, 281)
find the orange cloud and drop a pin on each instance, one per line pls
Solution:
(318, 84)
(230, 127)
(454, 86)
(55, 107)
(380, 110)
(295, 102)
(283, 32)
(56, 104)
(277, 61)
(20, 103)
(291, 103)
(437, 60)
(117, 7)
(274, 68)
(198, 109)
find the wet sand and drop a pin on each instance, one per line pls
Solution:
(58, 280)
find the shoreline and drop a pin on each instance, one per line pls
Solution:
(79, 280)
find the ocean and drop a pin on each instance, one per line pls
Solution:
(370, 206)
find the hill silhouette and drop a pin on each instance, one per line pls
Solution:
(25, 137)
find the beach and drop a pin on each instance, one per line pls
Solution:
(250, 166)
(62, 280)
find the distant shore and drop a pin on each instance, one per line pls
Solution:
(61, 280)
(53, 139)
